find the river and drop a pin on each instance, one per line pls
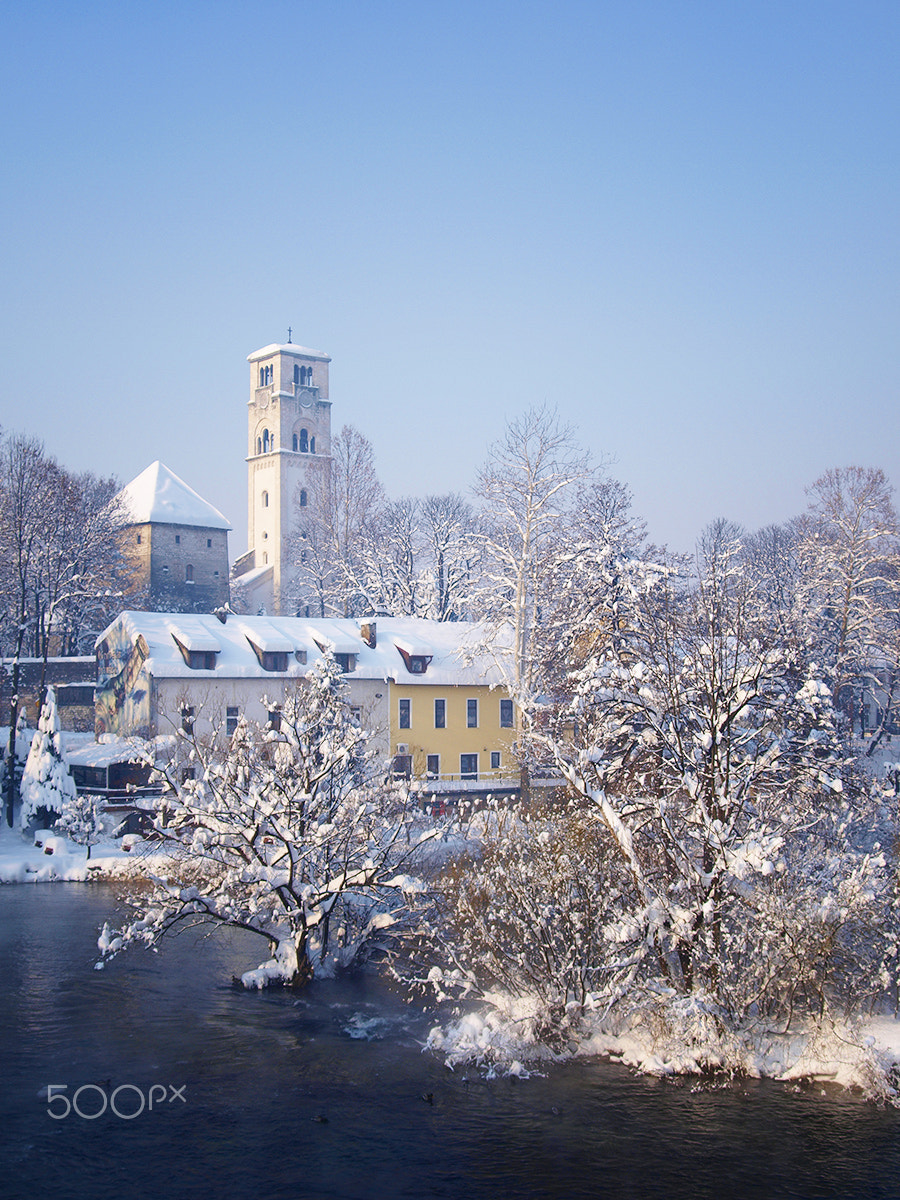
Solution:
(166, 1081)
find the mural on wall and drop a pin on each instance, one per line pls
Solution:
(122, 704)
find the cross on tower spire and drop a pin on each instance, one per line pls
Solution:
(289, 335)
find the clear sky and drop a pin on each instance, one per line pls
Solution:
(678, 221)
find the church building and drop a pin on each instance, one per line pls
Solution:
(289, 464)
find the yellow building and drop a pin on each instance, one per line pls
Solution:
(449, 734)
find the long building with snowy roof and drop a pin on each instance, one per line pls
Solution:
(431, 693)
(177, 542)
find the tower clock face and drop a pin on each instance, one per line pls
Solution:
(305, 397)
(263, 400)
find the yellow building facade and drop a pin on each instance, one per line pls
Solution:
(453, 734)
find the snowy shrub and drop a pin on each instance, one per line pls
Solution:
(526, 912)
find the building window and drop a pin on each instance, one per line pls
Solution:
(506, 714)
(265, 441)
(356, 716)
(471, 714)
(405, 715)
(188, 773)
(294, 443)
(138, 539)
(177, 539)
(303, 498)
(209, 543)
(189, 574)
(440, 714)
(187, 718)
(259, 445)
(296, 374)
(495, 760)
(231, 719)
(165, 570)
(216, 574)
(274, 719)
(345, 662)
(304, 442)
(312, 445)
(433, 766)
(402, 766)
(468, 766)
(265, 375)
(300, 655)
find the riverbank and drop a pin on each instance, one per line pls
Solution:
(21, 861)
(675, 1037)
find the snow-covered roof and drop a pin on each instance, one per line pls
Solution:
(413, 649)
(289, 348)
(158, 495)
(193, 634)
(262, 633)
(456, 647)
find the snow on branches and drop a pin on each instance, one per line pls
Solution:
(47, 788)
(284, 834)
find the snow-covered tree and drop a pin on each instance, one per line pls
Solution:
(847, 552)
(450, 534)
(526, 486)
(47, 786)
(80, 820)
(708, 749)
(286, 835)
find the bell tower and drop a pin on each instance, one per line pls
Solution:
(288, 462)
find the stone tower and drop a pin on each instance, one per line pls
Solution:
(177, 543)
(288, 460)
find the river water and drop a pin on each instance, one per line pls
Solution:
(168, 1082)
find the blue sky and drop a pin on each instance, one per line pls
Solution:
(676, 221)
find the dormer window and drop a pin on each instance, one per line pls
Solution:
(415, 660)
(345, 657)
(197, 660)
(271, 660)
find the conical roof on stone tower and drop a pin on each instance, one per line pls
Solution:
(158, 496)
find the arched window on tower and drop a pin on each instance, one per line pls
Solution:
(303, 498)
(259, 445)
(265, 499)
(188, 574)
(312, 445)
(296, 374)
(304, 442)
(294, 442)
(265, 441)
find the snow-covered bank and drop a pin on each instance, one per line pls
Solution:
(679, 1036)
(21, 861)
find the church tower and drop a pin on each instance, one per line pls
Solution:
(288, 461)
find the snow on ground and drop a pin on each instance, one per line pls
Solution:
(682, 1037)
(21, 861)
